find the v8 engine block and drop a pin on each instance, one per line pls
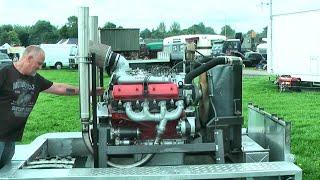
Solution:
(148, 107)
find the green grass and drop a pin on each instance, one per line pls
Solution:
(61, 114)
(301, 108)
(54, 113)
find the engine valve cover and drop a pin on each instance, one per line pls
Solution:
(136, 91)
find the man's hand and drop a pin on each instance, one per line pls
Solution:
(100, 91)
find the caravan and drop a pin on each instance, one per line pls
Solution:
(57, 55)
(203, 42)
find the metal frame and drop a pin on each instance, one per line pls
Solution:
(73, 145)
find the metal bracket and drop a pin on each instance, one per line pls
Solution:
(218, 137)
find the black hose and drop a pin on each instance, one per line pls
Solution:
(199, 62)
(203, 68)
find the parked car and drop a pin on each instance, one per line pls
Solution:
(252, 59)
(4, 58)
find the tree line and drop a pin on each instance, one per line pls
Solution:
(44, 32)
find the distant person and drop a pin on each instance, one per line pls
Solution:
(20, 85)
(15, 58)
(262, 65)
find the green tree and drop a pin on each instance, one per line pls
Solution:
(6, 28)
(156, 34)
(146, 33)
(263, 34)
(175, 29)
(8, 35)
(43, 32)
(14, 38)
(160, 32)
(196, 29)
(210, 30)
(185, 31)
(162, 28)
(109, 25)
(72, 27)
(23, 34)
(228, 31)
(5, 38)
(63, 32)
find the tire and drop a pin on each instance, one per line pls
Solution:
(58, 65)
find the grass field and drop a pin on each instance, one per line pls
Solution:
(61, 114)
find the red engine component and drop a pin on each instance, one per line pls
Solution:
(127, 92)
(163, 91)
(136, 91)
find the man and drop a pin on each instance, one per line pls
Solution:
(20, 85)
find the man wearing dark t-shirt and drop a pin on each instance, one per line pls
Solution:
(20, 85)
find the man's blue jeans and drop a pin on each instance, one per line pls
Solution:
(6, 152)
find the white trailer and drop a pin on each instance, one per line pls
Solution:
(293, 45)
(57, 55)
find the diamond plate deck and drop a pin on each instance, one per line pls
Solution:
(266, 169)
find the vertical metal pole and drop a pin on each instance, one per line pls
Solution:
(94, 112)
(269, 42)
(225, 25)
(93, 35)
(83, 35)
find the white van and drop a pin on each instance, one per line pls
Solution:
(57, 55)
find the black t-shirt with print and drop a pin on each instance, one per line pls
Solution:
(18, 95)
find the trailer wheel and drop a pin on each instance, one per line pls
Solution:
(58, 65)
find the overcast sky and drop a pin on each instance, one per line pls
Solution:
(241, 15)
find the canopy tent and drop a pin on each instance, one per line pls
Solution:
(154, 46)
(16, 50)
(5, 46)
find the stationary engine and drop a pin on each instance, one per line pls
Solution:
(149, 107)
(158, 109)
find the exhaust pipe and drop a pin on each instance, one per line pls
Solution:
(107, 59)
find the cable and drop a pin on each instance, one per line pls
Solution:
(189, 61)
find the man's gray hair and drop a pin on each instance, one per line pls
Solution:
(32, 50)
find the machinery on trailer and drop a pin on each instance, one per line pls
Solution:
(150, 124)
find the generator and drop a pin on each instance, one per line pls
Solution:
(288, 83)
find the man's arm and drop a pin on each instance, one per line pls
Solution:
(62, 89)
(67, 90)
